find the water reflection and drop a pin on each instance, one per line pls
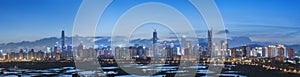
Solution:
(159, 69)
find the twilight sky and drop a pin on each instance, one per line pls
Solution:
(261, 20)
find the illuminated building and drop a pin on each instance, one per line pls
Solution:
(12, 56)
(209, 47)
(224, 48)
(264, 52)
(154, 38)
(63, 41)
(141, 51)
(183, 45)
(21, 54)
(291, 53)
(127, 52)
(80, 50)
(117, 52)
(106, 52)
(256, 52)
(233, 53)
(281, 51)
(271, 51)
(246, 51)
(154, 49)
(197, 49)
(168, 50)
(30, 54)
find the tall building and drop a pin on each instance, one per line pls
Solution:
(106, 52)
(154, 48)
(281, 51)
(183, 45)
(224, 48)
(140, 51)
(233, 53)
(80, 50)
(271, 51)
(246, 51)
(257, 52)
(209, 41)
(63, 48)
(62, 41)
(154, 38)
(264, 52)
(21, 54)
(117, 53)
(30, 54)
(291, 53)
(131, 51)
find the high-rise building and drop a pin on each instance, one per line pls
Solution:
(140, 51)
(196, 51)
(21, 54)
(264, 52)
(233, 53)
(291, 53)
(117, 52)
(63, 48)
(257, 52)
(127, 53)
(224, 48)
(246, 51)
(154, 38)
(168, 50)
(281, 50)
(30, 54)
(209, 40)
(80, 50)
(62, 40)
(271, 51)
(183, 45)
(154, 47)
(106, 52)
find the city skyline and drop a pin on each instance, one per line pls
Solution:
(161, 38)
(260, 20)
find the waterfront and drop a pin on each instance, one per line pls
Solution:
(159, 70)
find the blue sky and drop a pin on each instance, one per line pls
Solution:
(261, 20)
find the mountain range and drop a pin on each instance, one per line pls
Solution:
(101, 40)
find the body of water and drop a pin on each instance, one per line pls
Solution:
(155, 70)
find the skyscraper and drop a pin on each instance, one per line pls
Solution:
(246, 51)
(291, 53)
(154, 49)
(281, 50)
(63, 52)
(271, 51)
(233, 53)
(264, 52)
(224, 47)
(154, 38)
(209, 47)
(62, 41)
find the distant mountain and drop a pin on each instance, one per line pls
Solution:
(41, 44)
(38, 44)
(238, 41)
(251, 46)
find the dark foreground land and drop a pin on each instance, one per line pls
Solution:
(246, 70)
(253, 71)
